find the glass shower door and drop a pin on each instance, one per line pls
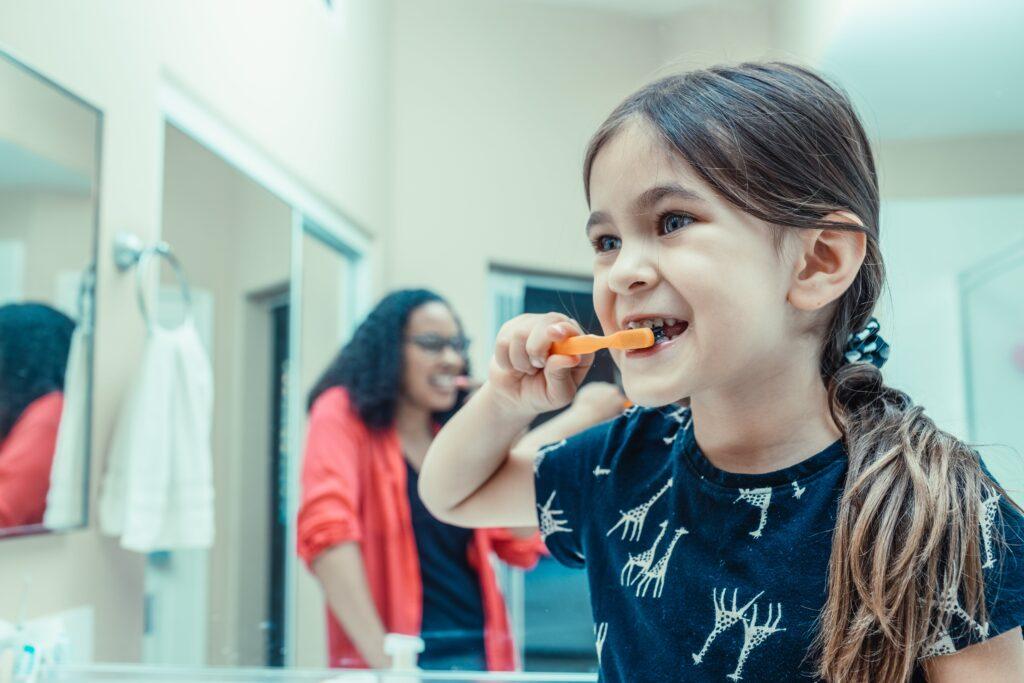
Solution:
(992, 296)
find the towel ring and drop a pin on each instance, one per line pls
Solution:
(129, 252)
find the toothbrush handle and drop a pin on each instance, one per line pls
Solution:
(580, 345)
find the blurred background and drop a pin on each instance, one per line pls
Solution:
(302, 158)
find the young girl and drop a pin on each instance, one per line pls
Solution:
(799, 519)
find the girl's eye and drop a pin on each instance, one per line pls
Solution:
(675, 221)
(606, 243)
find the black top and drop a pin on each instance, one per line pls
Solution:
(453, 613)
(698, 574)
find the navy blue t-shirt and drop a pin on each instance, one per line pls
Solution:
(698, 574)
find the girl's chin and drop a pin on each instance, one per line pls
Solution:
(651, 393)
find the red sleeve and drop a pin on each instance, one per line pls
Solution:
(516, 551)
(26, 457)
(329, 505)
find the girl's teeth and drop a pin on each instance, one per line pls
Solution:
(670, 322)
(657, 322)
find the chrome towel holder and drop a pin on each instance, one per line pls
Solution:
(129, 253)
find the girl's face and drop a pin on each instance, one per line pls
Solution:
(433, 357)
(668, 249)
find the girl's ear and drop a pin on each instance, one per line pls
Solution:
(825, 262)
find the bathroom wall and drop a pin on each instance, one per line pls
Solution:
(56, 230)
(239, 60)
(498, 100)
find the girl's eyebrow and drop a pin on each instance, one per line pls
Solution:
(652, 196)
(597, 218)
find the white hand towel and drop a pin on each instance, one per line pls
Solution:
(158, 490)
(65, 501)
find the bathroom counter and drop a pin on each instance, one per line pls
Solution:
(109, 673)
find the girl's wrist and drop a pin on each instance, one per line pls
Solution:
(506, 410)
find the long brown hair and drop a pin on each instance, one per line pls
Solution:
(784, 145)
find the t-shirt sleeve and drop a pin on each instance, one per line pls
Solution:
(562, 475)
(1001, 531)
(1002, 553)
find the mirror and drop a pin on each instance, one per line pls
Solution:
(49, 183)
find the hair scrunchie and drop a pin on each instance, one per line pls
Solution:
(867, 346)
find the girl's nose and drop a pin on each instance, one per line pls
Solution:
(633, 270)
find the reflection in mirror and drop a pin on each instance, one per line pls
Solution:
(49, 154)
(224, 605)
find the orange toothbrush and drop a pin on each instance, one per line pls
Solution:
(638, 338)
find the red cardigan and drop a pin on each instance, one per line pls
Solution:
(26, 456)
(354, 489)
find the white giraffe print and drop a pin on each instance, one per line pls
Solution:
(754, 634)
(656, 575)
(987, 517)
(798, 490)
(683, 417)
(632, 522)
(760, 498)
(542, 453)
(641, 561)
(943, 645)
(630, 410)
(724, 618)
(549, 524)
(601, 472)
(949, 603)
(600, 633)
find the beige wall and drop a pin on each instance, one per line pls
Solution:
(733, 31)
(327, 128)
(56, 229)
(497, 101)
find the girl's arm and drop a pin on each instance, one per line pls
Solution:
(997, 660)
(595, 403)
(472, 475)
(343, 579)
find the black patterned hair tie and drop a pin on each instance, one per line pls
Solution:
(867, 346)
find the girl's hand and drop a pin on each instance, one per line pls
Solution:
(599, 400)
(522, 373)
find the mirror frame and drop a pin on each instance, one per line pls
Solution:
(90, 289)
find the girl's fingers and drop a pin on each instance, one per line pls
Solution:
(520, 359)
(558, 374)
(538, 345)
(579, 373)
(501, 356)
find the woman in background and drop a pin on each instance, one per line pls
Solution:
(34, 343)
(384, 563)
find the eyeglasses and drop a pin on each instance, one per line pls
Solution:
(436, 343)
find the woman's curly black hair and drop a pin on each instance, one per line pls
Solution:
(370, 366)
(35, 340)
